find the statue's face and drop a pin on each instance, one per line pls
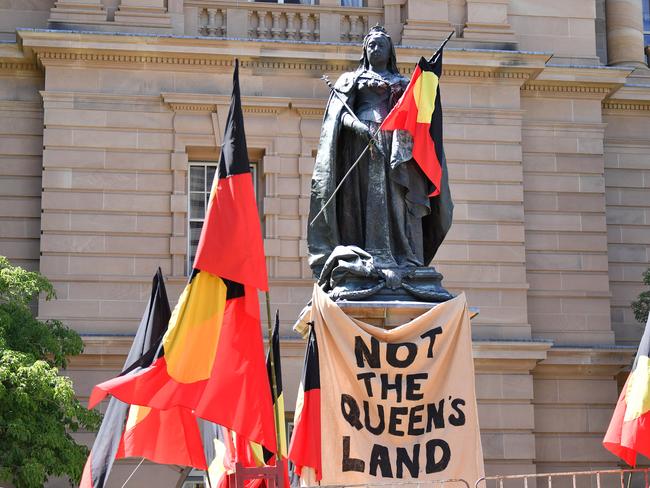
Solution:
(378, 50)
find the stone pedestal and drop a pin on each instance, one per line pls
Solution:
(625, 33)
(78, 12)
(381, 313)
(145, 13)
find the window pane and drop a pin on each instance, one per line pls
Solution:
(646, 18)
(197, 205)
(195, 234)
(211, 172)
(197, 178)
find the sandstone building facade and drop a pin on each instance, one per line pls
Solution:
(110, 119)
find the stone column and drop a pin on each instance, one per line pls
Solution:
(78, 12)
(427, 23)
(625, 32)
(145, 13)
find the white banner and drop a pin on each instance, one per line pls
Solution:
(398, 404)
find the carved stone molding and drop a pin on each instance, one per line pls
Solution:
(627, 106)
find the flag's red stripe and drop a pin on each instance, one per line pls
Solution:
(237, 395)
(627, 439)
(424, 153)
(165, 437)
(231, 244)
(405, 113)
(152, 387)
(305, 448)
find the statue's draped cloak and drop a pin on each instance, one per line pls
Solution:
(383, 207)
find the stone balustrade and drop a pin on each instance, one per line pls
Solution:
(298, 22)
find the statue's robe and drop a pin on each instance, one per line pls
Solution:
(382, 208)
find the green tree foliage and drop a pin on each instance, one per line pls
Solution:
(38, 408)
(641, 306)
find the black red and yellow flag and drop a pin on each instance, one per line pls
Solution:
(212, 356)
(305, 445)
(628, 433)
(170, 436)
(419, 111)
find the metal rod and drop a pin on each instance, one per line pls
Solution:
(444, 43)
(338, 187)
(338, 95)
(133, 472)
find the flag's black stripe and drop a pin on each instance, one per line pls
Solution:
(275, 341)
(145, 344)
(234, 154)
(152, 327)
(234, 289)
(311, 378)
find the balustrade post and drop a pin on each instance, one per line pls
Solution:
(212, 21)
(304, 26)
(275, 28)
(291, 26)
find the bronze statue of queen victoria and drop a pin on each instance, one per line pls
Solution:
(377, 236)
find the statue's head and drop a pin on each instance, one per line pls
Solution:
(378, 43)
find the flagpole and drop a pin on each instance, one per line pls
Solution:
(274, 386)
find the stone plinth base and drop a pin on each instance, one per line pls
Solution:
(381, 313)
(143, 16)
(77, 13)
(426, 33)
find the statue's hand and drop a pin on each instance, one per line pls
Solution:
(362, 129)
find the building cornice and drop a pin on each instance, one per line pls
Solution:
(195, 53)
(571, 361)
(631, 97)
(593, 82)
(200, 102)
(13, 60)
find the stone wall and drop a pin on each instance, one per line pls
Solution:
(21, 147)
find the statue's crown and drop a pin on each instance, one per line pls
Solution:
(377, 29)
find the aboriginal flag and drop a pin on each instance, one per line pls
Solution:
(170, 436)
(305, 446)
(212, 355)
(419, 112)
(628, 433)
